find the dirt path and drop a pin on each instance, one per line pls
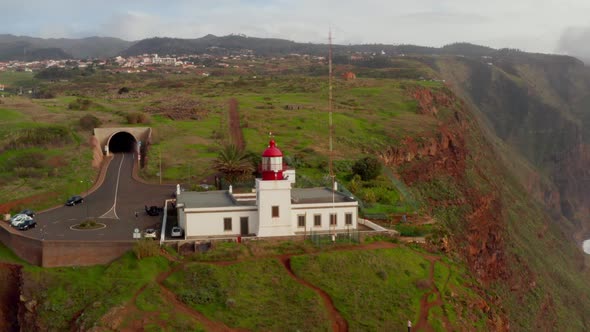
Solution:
(426, 305)
(339, 324)
(235, 130)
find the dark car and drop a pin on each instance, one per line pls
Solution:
(29, 223)
(153, 210)
(74, 200)
(28, 212)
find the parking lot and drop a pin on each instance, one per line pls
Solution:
(119, 203)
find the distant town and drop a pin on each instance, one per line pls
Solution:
(220, 62)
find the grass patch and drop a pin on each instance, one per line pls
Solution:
(256, 295)
(387, 296)
(413, 230)
(379, 290)
(63, 293)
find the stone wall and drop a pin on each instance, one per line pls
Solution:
(50, 253)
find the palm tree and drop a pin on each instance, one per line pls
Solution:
(233, 163)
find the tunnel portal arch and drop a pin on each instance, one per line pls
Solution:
(122, 141)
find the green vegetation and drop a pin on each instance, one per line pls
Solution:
(87, 293)
(446, 166)
(89, 224)
(233, 163)
(413, 230)
(7, 256)
(386, 288)
(387, 296)
(145, 248)
(191, 127)
(254, 295)
(161, 314)
(367, 168)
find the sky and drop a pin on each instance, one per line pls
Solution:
(530, 25)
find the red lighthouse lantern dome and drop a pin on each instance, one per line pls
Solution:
(272, 162)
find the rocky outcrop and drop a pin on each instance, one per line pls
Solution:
(445, 154)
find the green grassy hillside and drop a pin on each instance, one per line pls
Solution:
(496, 246)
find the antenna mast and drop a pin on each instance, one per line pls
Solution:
(330, 108)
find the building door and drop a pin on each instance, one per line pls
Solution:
(244, 226)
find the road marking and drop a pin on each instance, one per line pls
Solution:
(113, 209)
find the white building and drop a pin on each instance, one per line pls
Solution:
(274, 208)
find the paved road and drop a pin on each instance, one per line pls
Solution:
(114, 204)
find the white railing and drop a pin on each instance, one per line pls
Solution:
(372, 225)
(164, 218)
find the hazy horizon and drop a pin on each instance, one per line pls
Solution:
(534, 26)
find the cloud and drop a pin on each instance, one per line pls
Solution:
(533, 25)
(575, 41)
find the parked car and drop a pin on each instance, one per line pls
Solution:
(150, 233)
(152, 210)
(28, 212)
(28, 223)
(19, 219)
(176, 231)
(74, 200)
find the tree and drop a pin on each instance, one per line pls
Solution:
(367, 168)
(233, 163)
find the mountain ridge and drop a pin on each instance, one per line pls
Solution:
(12, 46)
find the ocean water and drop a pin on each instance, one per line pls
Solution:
(586, 246)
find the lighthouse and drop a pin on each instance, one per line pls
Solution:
(273, 194)
(278, 209)
(272, 162)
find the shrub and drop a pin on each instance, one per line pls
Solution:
(22, 172)
(344, 166)
(146, 248)
(368, 196)
(137, 117)
(44, 94)
(230, 303)
(368, 168)
(80, 104)
(88, 224)
(89, 122)
(25, 160)
(39, 137)
(356, 184)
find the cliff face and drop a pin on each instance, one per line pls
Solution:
(9, 296)
(446, 155)
(487, 198)
(540, 106)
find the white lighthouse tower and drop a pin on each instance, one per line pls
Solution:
(273, 196)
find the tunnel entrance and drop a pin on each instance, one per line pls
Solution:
(122, 142)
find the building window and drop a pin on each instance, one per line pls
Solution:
(317, 220)
(227, 224)
(275, 211)
(348, 218)
(301, 220)
(333, 220)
